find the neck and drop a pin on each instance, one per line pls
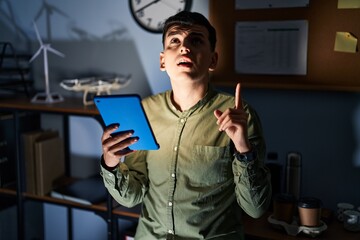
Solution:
(185, 97)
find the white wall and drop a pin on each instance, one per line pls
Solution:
(95, 19)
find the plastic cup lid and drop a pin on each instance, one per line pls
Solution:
(352, 213)
(285, 197)
(345, 205)
(309, 202)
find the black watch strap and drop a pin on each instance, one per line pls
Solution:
(247, 156)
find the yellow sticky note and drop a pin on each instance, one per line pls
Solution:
(348, 3)
(345, 42)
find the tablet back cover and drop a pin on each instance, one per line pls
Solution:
(127, 111)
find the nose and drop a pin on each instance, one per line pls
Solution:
(184, 48)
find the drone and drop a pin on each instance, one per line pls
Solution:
(98, 86)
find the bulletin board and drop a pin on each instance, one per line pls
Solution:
(326, 69)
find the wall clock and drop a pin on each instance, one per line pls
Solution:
(151, 14)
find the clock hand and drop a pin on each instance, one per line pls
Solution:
(147, 5)
(170, 5)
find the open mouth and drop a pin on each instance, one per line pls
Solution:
(185, 63)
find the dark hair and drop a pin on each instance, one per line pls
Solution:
(185, 18)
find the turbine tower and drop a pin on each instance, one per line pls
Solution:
(47, 96)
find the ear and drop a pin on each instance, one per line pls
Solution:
(214, 61)
(162, 62)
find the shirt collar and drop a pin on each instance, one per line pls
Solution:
(209, 94)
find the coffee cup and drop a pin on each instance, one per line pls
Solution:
(352, 220)
(341, 207)
(309, 211)
(284, 207)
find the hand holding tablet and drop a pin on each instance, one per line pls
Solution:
(127, 111)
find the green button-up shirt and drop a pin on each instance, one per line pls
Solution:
(192, 187)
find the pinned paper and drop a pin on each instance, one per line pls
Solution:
(345, 42)
(348, 3)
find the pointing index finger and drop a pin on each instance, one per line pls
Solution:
(238, 100)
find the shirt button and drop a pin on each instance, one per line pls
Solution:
(170, 231)
(173, 175)
(175, 149)
(182, 120)
(170, 204)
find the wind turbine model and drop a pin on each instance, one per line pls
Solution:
(46, 97)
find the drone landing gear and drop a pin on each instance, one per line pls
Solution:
(88, 97)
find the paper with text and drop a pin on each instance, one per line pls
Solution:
(271, 47)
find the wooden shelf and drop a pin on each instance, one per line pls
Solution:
(117, 210)
(127, 212)
(98, 207)
(8, 191)
(68, 106)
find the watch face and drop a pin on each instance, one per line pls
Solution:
(151, 14)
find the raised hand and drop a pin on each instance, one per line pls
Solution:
(234, 122)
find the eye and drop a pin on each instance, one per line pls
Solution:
(174, 40)
(196, 41)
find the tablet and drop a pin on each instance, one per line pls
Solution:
(127, 110)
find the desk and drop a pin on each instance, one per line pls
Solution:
(262, 229)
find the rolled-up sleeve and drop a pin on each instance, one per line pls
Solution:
(253, 180)
(127, 182)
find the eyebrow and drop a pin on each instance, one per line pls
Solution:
(176, 32)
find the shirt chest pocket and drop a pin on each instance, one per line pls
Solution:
(210, 165)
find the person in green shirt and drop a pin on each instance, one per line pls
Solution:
(209, 169)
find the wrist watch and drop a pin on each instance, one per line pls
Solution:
(247, 156)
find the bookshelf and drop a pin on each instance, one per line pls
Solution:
(15, 75)
(109, 209)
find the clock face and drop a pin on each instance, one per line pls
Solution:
(151, 14)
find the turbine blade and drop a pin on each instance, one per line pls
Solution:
(37, 34)
(39, 13)
(55, 9)
(55, 51)
(36, 54)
